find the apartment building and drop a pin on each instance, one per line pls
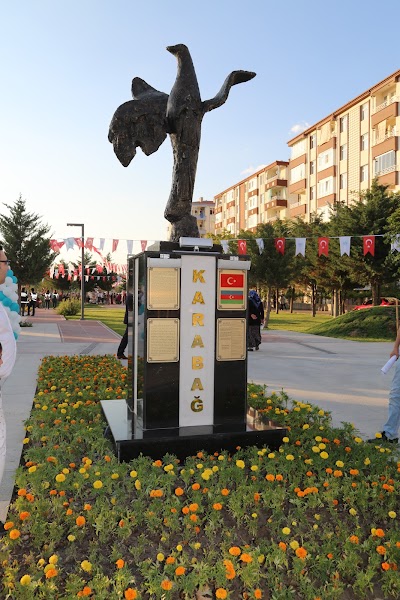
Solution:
(260, 198)
(334, 159)
(204, 211)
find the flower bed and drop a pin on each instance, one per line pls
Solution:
(317, 519)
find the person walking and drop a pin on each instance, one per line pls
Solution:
(47, 298)
(54, 298)
(124, 341)
(24, 301)
(254, 320)
(390, 431)
(32, 302)
(8, 349)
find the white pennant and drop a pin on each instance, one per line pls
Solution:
(395, 246)
(345, 244)
(225, 246)
(300, 246)
(260, 244)
(129, 245)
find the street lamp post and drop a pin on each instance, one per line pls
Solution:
(82, 226)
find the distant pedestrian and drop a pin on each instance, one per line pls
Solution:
(24, 301)
(54, 298)
(47, 298)
(32, 302)
(254, 321)
(124, 341)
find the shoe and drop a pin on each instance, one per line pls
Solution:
(122, 357)
(249, 349)
(257, 347)
(384, 438)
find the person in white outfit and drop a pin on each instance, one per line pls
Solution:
(8, 355)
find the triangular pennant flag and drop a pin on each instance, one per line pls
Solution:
(61, 269)
(300, 246)
(143, 244)
(260, 244)
(225, 246)
(86, 277)
(89, 243)
(280, 245)
(78, 242)
(323, 246)
(69, 243)
(129, 246)
(242, 246)
(344, 242)
(395, 245)
(114, 245)
(369, 244)
(101, 245)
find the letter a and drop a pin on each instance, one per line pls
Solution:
(198, 297)
(197, 341)
(197, 385)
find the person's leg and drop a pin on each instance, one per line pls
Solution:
(391, 427)
(123, 344)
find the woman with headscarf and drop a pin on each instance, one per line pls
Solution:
(254, 320)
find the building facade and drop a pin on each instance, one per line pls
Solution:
(335, 159)
(204, 212)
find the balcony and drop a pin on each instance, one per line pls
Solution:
(385, 104)
(275, 202)
(297, 187)
(388, 176)
(385, 145)
(388, 110)
(297, 209)
(275, 182)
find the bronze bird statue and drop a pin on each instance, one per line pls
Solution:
(146, 120)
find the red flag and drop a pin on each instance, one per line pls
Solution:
(232, 280)
(99, 268)
(280, 245)
(369, 244)
(78, 242)
(61, 269)
(242, 247)
(143, 243)
(56, 246)
(69, 276)
(323, 246)
(114, 245)
(89, 243)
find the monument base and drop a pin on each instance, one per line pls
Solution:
(183, 441)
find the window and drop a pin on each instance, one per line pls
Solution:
(261, 178)
(298, 149)
(252, 202)
(312, 167)
(252, 221)
(298, 173)
(325, 187)
(344, 121)
(313, 140)
(252, 184)
(364, 142)
(312, 192)
(385, 162)
(364, 111)
(343, 181)
(343, 152)
(325, 159)
(364, 173)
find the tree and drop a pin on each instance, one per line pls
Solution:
(26, 242)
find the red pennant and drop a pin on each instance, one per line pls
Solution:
(369, 244)
(69, 276)
(114, 245)
(61, 269)
(323, 246)
(89, 243)
(56, 246)
(143, 243)
(280, 245)
(242, 247)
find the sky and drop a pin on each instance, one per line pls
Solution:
(66, 65)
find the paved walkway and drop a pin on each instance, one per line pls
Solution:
(50, 334)
(341, 376)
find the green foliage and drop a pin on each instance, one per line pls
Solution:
(26, 242)
(372, 324)
(68, 308)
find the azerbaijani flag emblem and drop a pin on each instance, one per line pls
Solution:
(231, 289)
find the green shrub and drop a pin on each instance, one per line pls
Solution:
(68, 308)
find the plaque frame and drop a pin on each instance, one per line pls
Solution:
(232, 272)
(241, 351)
(153, 302)
(153, 331)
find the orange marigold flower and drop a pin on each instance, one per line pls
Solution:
(53, 492)
(180, 570)
(354, 471)
(230, 570)
(170, 560)
(381, 550)
(14, 534)
(157, 463)
(193, 518)
(335, 502)
(80, 521)
(354, 539)
(329, 555)
(256, 497)
(337, 473)
(24, 515)
(193, 507)
(279, 477)
(22, 492)
(221, 593)
(234, 551)
(166, 584)
(8, 525)
(225, 492)
(282, 546)
(69, 511)
(379, 533)
(85, 592)
(301, 552)
(196, 486)
(179, 491)
(120, 563)
(217, 506)
(309, 473)
(270, 477)
(130, 594)
(257, 594)
(31, 497)
(329, 471)
(385, 566)
(121, 523)
(246, 558)
(51, 573)
(185, 510)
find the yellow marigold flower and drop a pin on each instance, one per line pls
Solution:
(168, 468)
(25, 580)
(240, 464)
(289, 457)
(294, 544)
(97, 484)
(138, 485)
(53, 560)
(71, 538)
(179, 547)
(392, 514)
(271, 455)
(133, 474)
(286, 530)
(324, 455)
(285, 439)
(160, 556)
(86, 566)
(32, 469)
(114, 476)
(254, 468)
(60, 477)
(378, 435)
(367, 461)
(353, 512)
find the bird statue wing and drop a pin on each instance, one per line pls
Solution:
(139, 122)
(232, 79)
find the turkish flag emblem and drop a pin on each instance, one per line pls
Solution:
(242, 247)
(280, 245)
(369, 244)
(234, 280)
(323, 246)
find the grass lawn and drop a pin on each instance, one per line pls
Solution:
(111, 316)
(297, 321)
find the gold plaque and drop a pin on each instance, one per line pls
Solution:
(163, 288)
(232, 289)
(162, 340)
(231, 339)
